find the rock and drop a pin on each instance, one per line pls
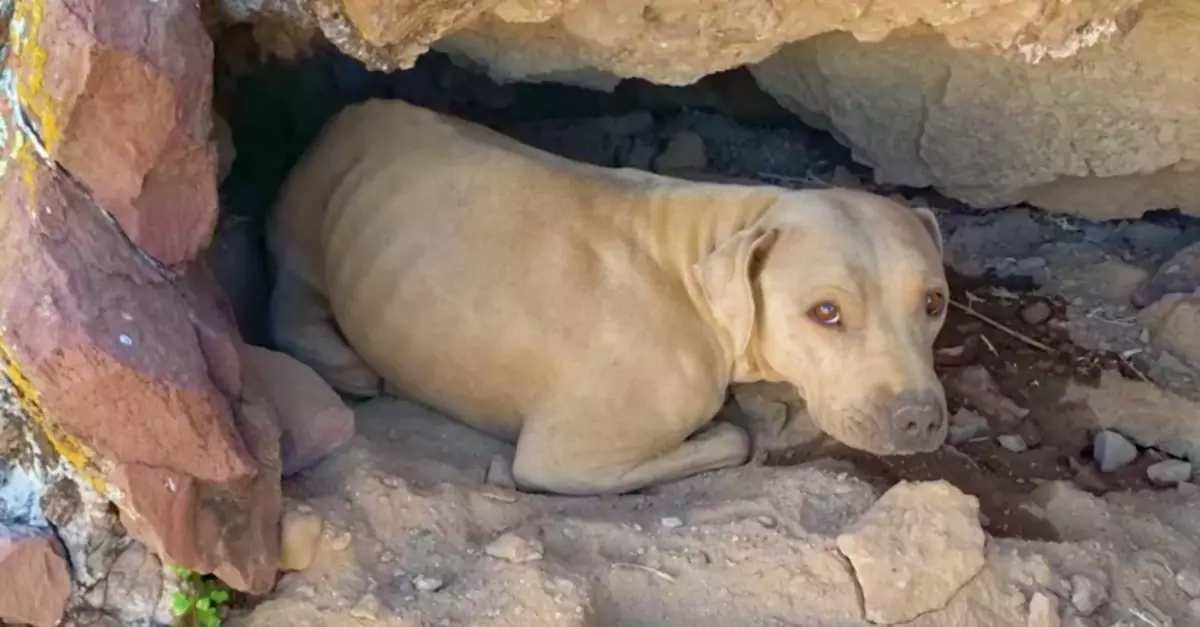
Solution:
(1112, 451)
(925, 114)
(313, 420)
(685, 151)
(127, 111)
(427, 584)
(966, 425)
(1043, 611)
(974, 384)
(37, 581)
(1169, 472)
(1142, 411)
(299, 539)
(499, 472)
(366, 609)
(1178, 275)
(134, 590)
(1036, 313)
(513, 548)
(914, 549)
(1174, 325)
(671, 522)
(96, 338)
(1087, 595)
(1114, 280)
(1189, 582)
(1013, 443)
(1030, 433)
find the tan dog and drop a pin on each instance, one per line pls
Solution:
(597, 316)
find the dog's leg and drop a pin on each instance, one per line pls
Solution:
(302, 325)
(551, 459)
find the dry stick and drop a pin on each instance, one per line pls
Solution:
(1012, 332)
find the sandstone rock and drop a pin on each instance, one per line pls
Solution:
(975, 385)
(97, 339)
(1174, 324)
(300, 537)
(1086, 594)
(684, 151)
(914, 549)
(1143, 412)
(1178, 275)
(1101, 131)
(313, 420)
(1112, 451)
(1169, 472)
(1043, 611)
(37, 582)
(127, 111)
(966, 425)
(511, 547)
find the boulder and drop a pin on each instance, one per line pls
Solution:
(594, 42)
(37, 582)
(1146, 413)
(133, 373)
(1107, 132)
(313, 420)
(120, 93)
(1174, 325)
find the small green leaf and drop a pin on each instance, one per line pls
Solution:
(181, 572)
(219, 596)
(208, 619)
(180, 603)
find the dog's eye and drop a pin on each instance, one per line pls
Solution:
(826, 313)
(935, 303)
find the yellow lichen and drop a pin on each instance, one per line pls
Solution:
(70, 449)
(25, 42)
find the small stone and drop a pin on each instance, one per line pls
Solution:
(1112, 451)
(424, 583)
(300, 536)
(1189, 582)
(499, 473)
(1086, 594)
(671, 522)
(1169, 472)
(1012, 442)
(1043, 611)
(685, 151)
(1036, 313)
(513, 548)
(36, 580)
(977, 387)
(966, 425)
(342, 542)
(367, 608)
(914, 549)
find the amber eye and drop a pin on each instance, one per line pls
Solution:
(935, 303)
(826, 313)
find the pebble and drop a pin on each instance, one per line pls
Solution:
(1014, 443)
(1043, 611)
(685, 151)
(513, 548)
(1036, 313)
(300, 536)
(1112, 451)
(1189, 582)
(1169, 472)
(341, 542)
(1087, 594)
(966, 425)
(367, 608)
(427, 584)
(671, 522)
(499, 473)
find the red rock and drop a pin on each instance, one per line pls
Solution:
(121, 93)
(313, 420)
(36, 580)
(138, 369)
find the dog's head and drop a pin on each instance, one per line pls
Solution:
(840, 293)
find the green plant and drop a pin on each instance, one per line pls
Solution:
(199, 599)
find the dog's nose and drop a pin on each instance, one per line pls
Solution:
(918, 420)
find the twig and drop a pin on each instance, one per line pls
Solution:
(653, 571)
(1012, 332)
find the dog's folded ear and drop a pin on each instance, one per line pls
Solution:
(726, 276)
(929, 221)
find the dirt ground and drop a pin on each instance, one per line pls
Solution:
(413, 535)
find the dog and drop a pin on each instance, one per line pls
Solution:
(596, 316)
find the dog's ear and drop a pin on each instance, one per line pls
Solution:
(929, 221)
(726, 276)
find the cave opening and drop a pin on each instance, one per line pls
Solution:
(724, 128)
